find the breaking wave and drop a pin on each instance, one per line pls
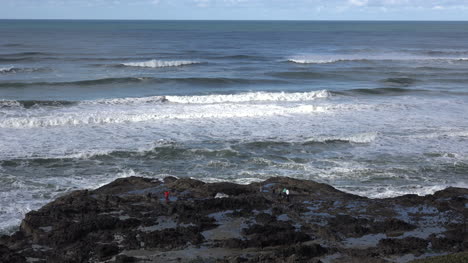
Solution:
(211, 99)
(212, 109)
(251, 96)
(323, 61)
(326, 60)
(160, 63)
(102, 118)
(207, 99)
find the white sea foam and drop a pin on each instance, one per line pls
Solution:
(251, 97)
(6, 69)
(322, 59)
(211, 99)
(209, 112)
(442, 134)
(9, 103)
(160, 63)
(319, 61)
(394, 191)
(129, 101)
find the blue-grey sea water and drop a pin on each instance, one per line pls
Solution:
(377, 109)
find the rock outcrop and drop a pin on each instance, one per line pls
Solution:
(130, 220)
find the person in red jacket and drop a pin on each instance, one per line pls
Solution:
(166, 195)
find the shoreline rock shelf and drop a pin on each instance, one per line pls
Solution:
(129, 220)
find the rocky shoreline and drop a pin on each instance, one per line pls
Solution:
(129, 220)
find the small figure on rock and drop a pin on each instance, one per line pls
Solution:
(284, 194)
(166, 195)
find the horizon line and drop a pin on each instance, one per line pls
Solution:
(229, 20)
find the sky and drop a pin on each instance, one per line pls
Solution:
(236, 9)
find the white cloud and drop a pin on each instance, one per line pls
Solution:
(358, 2)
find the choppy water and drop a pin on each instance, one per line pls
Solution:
(373, 108)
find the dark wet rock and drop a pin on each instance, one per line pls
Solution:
(453, 258)
(171, 238)
(129, 220)
(264, 218)
(274, 235)
(123, 185)
(7, 255)
(414, 245)
(106, 251)
(169, 179)
(125, 259)
(302, 251)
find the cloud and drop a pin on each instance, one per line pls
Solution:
(358, 2)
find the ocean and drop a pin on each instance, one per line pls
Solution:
(377, 109)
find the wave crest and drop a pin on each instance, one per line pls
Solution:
(333, 59)
(356, 138)
(250, 97)
(6, 70)
(321, 61)
(212, 99)
(160, 63)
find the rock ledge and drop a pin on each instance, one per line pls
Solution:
(129, 220)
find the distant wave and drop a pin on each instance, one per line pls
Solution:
(75, 83)
(323, 61)
(21, 70)
(34, 103)
(13, 45)
(22, 54)
(126, 101)
(9, 70)
(360, 138)
(400, 81)
(160, 63)
(379, 91)
(149, 80)
(240, 57)
(302, 75)
(25, 56)
(19, 59)
(356, 138)
(370, 59)
(445, 52)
